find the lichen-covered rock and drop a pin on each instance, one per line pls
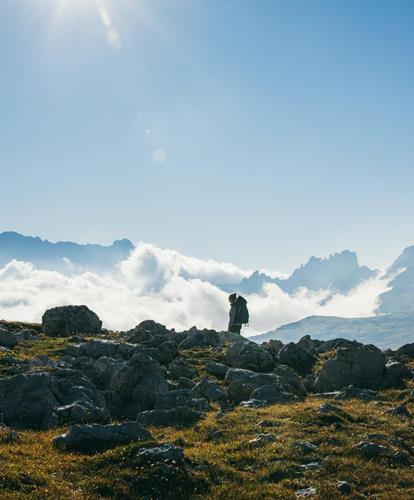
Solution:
(90, 438)
(66, 321)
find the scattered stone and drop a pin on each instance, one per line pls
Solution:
(399, 411)
(310, 466)
(8, 435)
(81, 412)
(267, 423)
(344, 487)
(165, 453)
(181, 397)
(261, 440)
(181, 416)
(402, 457)
(253, 404)
(305, 446)
(90, 438)
(306, 492)
(369, 449)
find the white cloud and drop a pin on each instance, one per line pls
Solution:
(171, 288)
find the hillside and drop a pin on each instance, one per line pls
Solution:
(387, 331)
(154, 413)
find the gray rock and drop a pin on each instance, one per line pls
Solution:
(261, 440)
(305, 446)
(306, 492)
(362, 366)
(273, 346)
(180, 367)
(243, 382)
(399, 411)
(90, 438)
(7, 339)
(200, 338)
(297, 358)
(272, 395)
(164, 453)
(344, 487)
(181, 397)
(164, 353)
(216, 369)
(69, 320)
(395, 374)
(82, 412)
(148, 331)
(96, 349)
(30, 400)
(209, 390)
(185, 383)
(181, 416)
(350, 392)
(253, 404)
(371, 450)
(310, 466)
(406, 350)
(249, 356)
(27, 334)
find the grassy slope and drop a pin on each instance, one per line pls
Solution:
(226, 467)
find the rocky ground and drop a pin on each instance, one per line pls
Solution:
(154, 413)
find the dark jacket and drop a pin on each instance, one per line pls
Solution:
(235, 310)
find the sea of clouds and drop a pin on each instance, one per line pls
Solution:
(173, 289)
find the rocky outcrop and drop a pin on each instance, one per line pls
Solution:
(249, 356)
(91, 438)
(36, 400)
(66, 321)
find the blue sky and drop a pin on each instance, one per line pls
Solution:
(252, 132)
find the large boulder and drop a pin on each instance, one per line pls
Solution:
(33, 400)
(135, 385)
(180, 367)
(209, 390)
(90, 438)
(249, 356)
(361, 366)
(182, 397)
(297, 358)
(395, 374)
(66, 321)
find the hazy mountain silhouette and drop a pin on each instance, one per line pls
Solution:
(400, 298)
(62, 256)
(339, 272)
(385, 331)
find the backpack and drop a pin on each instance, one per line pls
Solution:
(242, 314)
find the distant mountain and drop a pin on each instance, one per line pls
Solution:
(400, 297)
(339, 272)
(61, 256)
(388, 331)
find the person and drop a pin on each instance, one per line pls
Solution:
(239, 314)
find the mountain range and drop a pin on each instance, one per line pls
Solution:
(62, 256)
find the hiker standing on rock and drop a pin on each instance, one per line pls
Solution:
(239, 314)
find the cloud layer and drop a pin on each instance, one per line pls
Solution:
(171, 288)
